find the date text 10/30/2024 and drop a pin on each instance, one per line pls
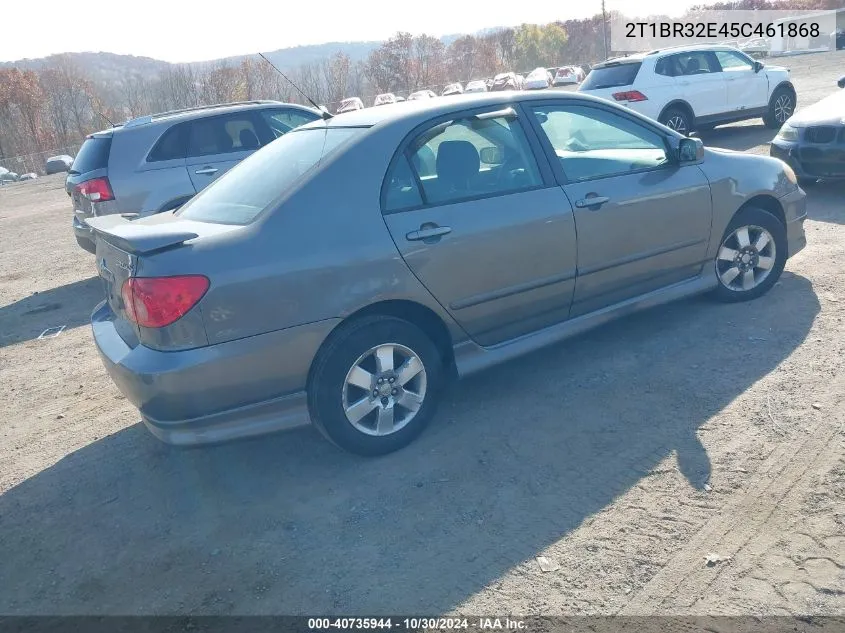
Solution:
(416, 624)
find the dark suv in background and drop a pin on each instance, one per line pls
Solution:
(158, 162)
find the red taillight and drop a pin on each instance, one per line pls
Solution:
(160, 301)
(630, 95)
(96, 190)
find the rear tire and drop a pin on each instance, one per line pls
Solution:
(753, 244)
(677, 119)
(383, 369)
(781, 107)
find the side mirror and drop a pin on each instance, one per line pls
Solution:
(491, 156)
(841, 82)
(758, 66)
(690, 150)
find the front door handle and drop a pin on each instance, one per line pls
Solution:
(206, 171)
(592, 202)
(428, 233)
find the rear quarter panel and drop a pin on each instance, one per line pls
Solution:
(323, 254)
(142, 187)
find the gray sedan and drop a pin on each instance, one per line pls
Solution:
(349, 270)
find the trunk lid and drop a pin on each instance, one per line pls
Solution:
(123, 244)
(603, 81)
(115, 266)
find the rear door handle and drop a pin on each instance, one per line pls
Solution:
(591, 202)
(206, 171)
(426, 234)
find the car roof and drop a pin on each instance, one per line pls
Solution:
(419, 111)
(200, 112)
(639, 57)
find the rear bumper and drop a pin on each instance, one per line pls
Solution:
(215, 393)
(795, 210)
(84, 235)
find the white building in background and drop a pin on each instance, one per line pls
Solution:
(831, 20)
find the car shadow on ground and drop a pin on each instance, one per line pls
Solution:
(69, 305)
(516, 459)
(737, 137)
(825, 201)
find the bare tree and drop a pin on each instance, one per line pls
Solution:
(336, 76)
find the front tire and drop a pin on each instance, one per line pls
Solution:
(751, 256)
(781, 107)
(375, 386)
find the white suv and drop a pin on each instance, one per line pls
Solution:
(695, 87)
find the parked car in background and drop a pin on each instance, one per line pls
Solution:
(350, 105)
(384, 99)
(282, 294)
(58, 164)
(538, 79)
(422, 94)
(452, 89)
(757, 47)
(505, 81)
(158, 162)
(812, 142)
(565, 76)
(477, 85)
(695, 87)
(400, 98)
(28, 176)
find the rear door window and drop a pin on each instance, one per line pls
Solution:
(697, 63)
(223, 135)
(172, 145)
(611, 76)
(94, 154)
(463, 159)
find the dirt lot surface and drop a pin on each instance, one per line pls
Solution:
(625, 457)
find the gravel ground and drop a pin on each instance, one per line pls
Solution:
(626, 457)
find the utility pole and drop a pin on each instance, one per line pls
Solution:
(604, 29)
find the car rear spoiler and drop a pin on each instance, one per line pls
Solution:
(139, 239)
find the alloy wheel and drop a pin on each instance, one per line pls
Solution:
(783, 108)
(746, 258)
(384, 389)
(677, 123)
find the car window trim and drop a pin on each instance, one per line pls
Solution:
(553, 158)
(547, 177)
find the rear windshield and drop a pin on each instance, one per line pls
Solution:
(611, 76)
(255, 183)
(94, 154)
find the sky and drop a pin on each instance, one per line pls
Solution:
(186, 31)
